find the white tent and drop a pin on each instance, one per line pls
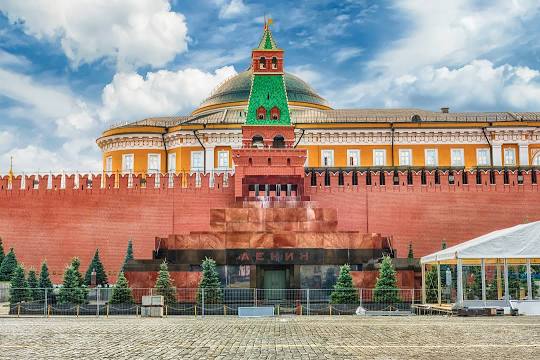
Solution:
(517, 242)
(520, 243)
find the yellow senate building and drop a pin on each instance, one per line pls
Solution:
(333, 138)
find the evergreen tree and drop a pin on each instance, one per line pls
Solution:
(33, 285)
(121, 293)
(344, 291)
(8, 266)
(97, 265)
(76, 264)
(386, 290)
(2, 253)
(44, 278)
(19, 286)
(213, 294)
(473, 284)
(410, 255)
(432, 295)
(443, 246)
(71, 291)
(129, 255)
(164, 285)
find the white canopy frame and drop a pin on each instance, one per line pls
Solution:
(515, 245)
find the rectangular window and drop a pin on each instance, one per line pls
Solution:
(457, 158)
(154, 163)
(108, 164)
(223, 160)
(353, 158)
(509, 156)
(306, 163)
(405, 157)
(482, 157)
(127, 163)
(379, 157)
(197, 161)
(327, 158)
(171, 163)
(432, 158)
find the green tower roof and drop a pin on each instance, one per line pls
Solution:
(267, 42)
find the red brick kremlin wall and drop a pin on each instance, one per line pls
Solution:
(59, 224)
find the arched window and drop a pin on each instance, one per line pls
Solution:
(416, 118)
(536, 159)
(274, 113)
(274, 63)
(257, 141)
(279, 142)
(262, 63)
(261, 113)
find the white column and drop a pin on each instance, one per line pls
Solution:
(524, 154)
(439, 294)
(497, 155)
(209, 159)
(459, 284)
(506, 289)
(529, 281)
(483, 274)
(423, 283)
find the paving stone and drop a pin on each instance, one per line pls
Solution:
(218, 337)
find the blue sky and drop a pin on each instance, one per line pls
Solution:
(68, 69)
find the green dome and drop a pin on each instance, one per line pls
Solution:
(237, 89)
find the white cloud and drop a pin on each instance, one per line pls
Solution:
(452, 53)
(6, 139)
(479, 85)
(131, 97)
(34, 98)
(454, 32)
(35, 158)
(346, 53)
(51, 118)
(130, 33)
(231, 9)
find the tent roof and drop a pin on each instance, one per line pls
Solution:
(520, 241)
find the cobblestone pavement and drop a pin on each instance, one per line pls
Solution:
(270, 338)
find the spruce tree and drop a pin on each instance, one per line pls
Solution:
(344, 291)
(71, 291)
(129, 255)
(76, 264)
(33, 285)
(432, 292)
(164, 285)
(386, 290)
(97, 265)
(19, 286)
(8, 266)
(410, 255)
(44, 278)
(121, 293)
(2, 253)
(213, 293)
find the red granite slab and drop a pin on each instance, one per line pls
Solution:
(261, 240)
(237, 240)
(212, 240)
(236, 215)
(285, 240)
(217, 216)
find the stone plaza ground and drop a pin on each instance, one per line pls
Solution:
(300, 337)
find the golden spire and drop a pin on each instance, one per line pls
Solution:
(10, 174)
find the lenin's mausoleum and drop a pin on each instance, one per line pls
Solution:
(279, 188)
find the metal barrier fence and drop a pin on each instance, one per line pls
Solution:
(223, 301)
